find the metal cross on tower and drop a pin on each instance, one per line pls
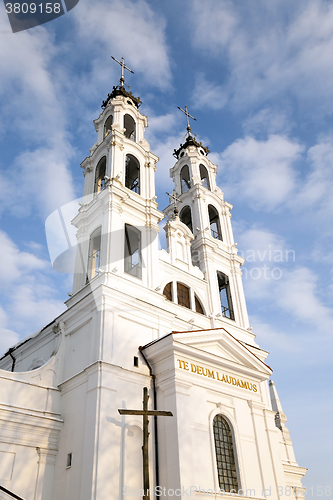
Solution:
(187, 117)
(145, 413)
(122, 64)
(175, 199)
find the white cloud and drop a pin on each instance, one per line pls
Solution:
(271, 338)
(268, 120)
(270, 55)
(297, 294)
(318, 187)
(207, 94)
(27, 291)
(130, 28)
(44, 180)
(7, 337)
(261, 172)
(214, 23)
(14, 264)
(32, 107)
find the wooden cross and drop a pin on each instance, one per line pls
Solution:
(145, 413)
(187, 117)
(175, 199)
(122, 64)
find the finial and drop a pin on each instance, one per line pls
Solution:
(187, 117)
(175, 199)
(122, 64)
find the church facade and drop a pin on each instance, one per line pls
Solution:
(174, 321)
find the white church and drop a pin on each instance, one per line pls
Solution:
(173, 321)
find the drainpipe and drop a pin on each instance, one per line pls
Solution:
(10, 351)
(157, 472)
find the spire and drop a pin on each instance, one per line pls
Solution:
(280, 417)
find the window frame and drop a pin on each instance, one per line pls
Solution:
(227, 288)
(187, 182)
(190, 225)
(99, 181)
(129, 269)
(92, 257)
(218, 234)
(228, 416)
(134, 188)
(133, 133)
(202, 166)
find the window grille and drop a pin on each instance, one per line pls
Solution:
(183, 294)
(167, 292)
(198, 306)
(225, 459)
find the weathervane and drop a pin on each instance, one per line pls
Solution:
(187, 117)
(122, 64)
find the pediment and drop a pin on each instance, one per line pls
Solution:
(221, 346)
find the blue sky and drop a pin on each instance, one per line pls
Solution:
(258, 77)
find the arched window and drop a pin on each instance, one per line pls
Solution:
(132, 176)
(129, 126)
(204, 176)
(94, 254)
(225, 296)
(186, 217)
(133, 264)
(183, 295)
(167, 292)
(214, 222)
(107, 125)
(198, 306)
(225, 457)
(99, 175)
(185, 179)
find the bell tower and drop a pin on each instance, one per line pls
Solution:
(205, 212)
(118, 214)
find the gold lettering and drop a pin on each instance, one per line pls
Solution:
(207, 372)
